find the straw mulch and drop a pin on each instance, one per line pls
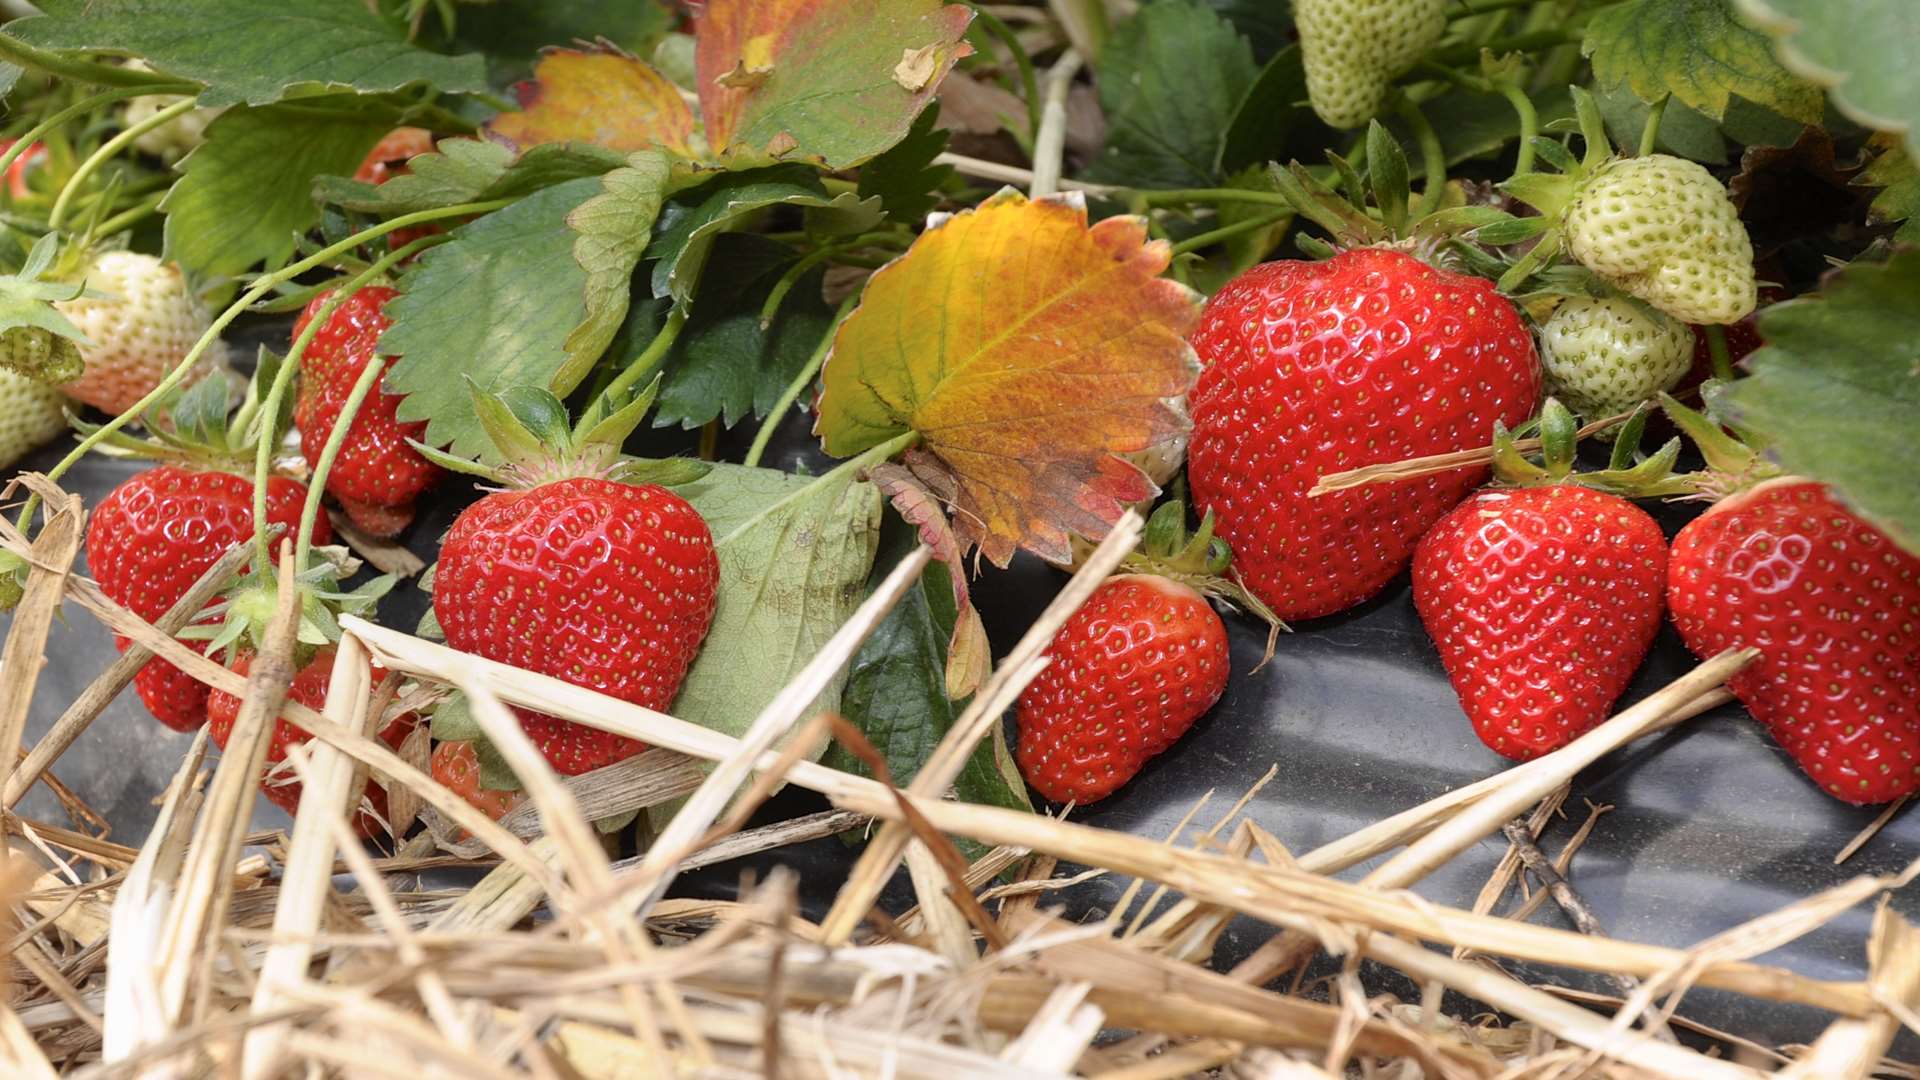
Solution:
(207, 951)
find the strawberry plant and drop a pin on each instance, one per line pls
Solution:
(658, 336)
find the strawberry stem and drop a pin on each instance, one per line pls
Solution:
(1228, 232)
(1717, 352)
(270, 409)
(1211, 195)
(1529, 126)
(317, 483)
(106, 153)
(1650, 134)
(263, 285)
(649, 358)
(88, 104)
(803, 379)
(15, 51)
(1433, 157)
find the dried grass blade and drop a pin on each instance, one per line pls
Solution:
(50, 557)
(23, 1058)
(884, 850)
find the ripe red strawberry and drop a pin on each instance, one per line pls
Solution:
(1542, 602)
(1833, 605)
(1131, 671)
(377, 475)
(30, 159)
(1315, 367)
(309, 688)
(457, 768)
(153, 536)
(602, 584)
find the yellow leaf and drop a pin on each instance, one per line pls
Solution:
(1026, 348)
(597, 96)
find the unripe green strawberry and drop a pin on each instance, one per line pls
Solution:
(40, 354)
(1663, 229)
(1604, 356)
(1353, 49)
(142, 325)
(30, 416)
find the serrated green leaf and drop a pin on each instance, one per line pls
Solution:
(794, 557)
(511, 33)
(724, 365)
(896, 688)
(1266, 113)
(1835, 392)
(246, 191)
(1169, 80)
(1697, 51)
(690, 221)
(247, 51)
(1861, 50)
(496, 305)
(613, 229)
(1899, 199)
(904, 177)
(468, 170)
(1267, 25)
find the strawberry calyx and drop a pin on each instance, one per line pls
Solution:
(1733, 465)
(1199, 560)
(36, 339)
(238, 621)
(1628, 474)
(537, 444)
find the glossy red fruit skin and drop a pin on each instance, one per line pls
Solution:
(309, 688)
(601, 584)
(377, 475)
(457, 768)
(1542, 602)
(153, 536)
(1311, 368)
(1131, 671)
(1833, 605)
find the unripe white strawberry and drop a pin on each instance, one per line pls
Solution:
(141, 328)
(31, 415)
(1604, 356)
(1663, 229)
(1353, 49)
(174, 139)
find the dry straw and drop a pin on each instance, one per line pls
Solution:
(206, 951)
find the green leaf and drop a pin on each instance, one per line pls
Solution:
(613, 229)
(1169, 80)
(1697, 51)
(1266, 113)
(794, 557)
(691, 221)
(1835, 391)
(1683, 132)
(1268, 25)
(468, 170)
(896, 687)
(247, 191)
(511, 33)
(904, 177)
(497, 305)
(1899, 199)
(453, 721)
(1862, 51)
(252, 52)
(1240, 253)
(724, 365)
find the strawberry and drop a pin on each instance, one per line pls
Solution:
(1542, 602)
(377, 475)
(31, 415)
(153, 536)
(602, 584)
(23, 166)
(1129, 673)
(1605, 356)
(1663, 229)
(1311, 368)
(1833, 605)
(1352, 49)
(457, 768)
(142, 325)
(390, 155)
(309, 688)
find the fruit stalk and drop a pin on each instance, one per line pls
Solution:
(800, 382)
(650, 358)
(58, 216)
(317, 483)
(105, 97)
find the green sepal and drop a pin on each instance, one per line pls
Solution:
(1323, 206)
(1559, 434)
(664, 472)
(1548, 193)
(1626, 438)
(199, 413)
(1511, 230)
(1166, 531)
(541, 414)
(1512, 467)
(1387, 171)
(495, 773)
(1723, 452)
(1349, 184)
(13, 578)
(1593, 129)
(454, 462)
(511, 435)
(1555, 153)
(608, 422)
(453, 721)
(1313, 247)
(607, 826)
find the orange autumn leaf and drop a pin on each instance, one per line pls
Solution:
(599, 96)
(1026, 348)
(839, 80)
